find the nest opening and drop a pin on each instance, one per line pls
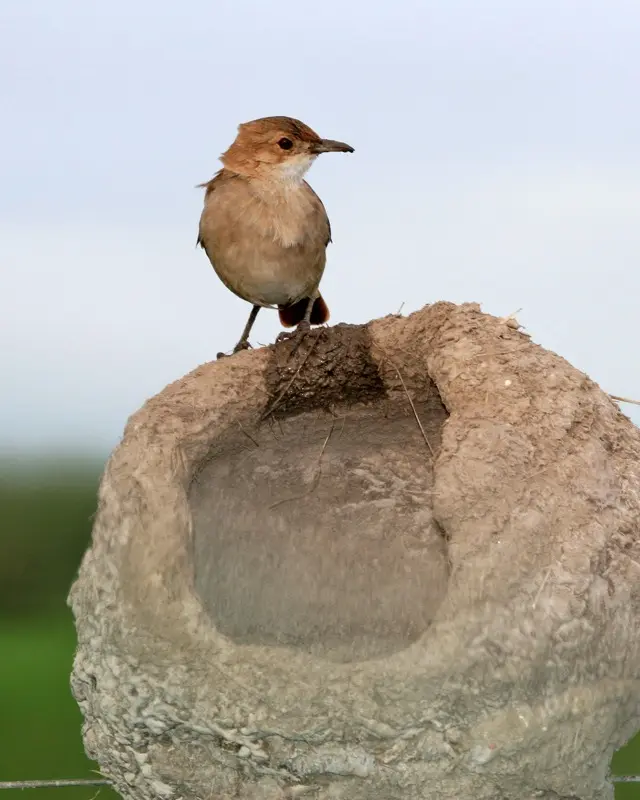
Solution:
(315, 531)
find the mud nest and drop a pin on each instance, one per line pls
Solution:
(402, 561)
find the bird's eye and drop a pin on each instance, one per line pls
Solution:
(285, 144)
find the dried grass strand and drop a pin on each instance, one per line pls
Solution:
(316, 477)
(413, 408)
(624, 399)
(276, 402)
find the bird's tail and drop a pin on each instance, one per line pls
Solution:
(291, 315)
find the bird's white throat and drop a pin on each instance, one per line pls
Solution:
(293, 170)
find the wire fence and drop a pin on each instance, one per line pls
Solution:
(55, 784)
(59, 784)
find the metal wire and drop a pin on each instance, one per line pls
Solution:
(57, 784)
(53, 784)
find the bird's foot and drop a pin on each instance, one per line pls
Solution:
(296, 337)
(242, 345)
(299, 333)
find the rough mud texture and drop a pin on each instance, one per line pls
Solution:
(402, 562)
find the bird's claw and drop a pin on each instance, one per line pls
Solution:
(237, 349)
(242, 345)
(297, 336)
(301, 330)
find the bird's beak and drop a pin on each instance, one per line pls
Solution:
(331, 146)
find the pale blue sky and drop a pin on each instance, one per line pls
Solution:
(497, 160)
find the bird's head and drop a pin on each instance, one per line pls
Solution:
(277, 148)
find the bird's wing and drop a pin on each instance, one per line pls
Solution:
(208, 186)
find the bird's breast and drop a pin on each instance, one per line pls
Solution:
(288, 214)
(266, 244)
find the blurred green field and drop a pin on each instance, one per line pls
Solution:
(40, 730)
(45, 524)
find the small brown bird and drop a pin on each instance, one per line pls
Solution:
(263, 227)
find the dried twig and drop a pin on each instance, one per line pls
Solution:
(511, 322)
(316, 477)
(511, 316)
(542, 585)
(413, 408)
(276, 402)
(248, 435)
(624, 399)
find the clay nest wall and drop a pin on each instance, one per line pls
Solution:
(402, 561)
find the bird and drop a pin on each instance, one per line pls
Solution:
(263, 228)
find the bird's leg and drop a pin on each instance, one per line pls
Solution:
(243, 344)
(302, 327)
(305, 322)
